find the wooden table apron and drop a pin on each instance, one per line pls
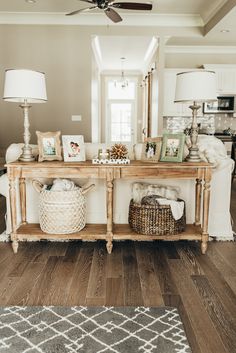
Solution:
(19, 171)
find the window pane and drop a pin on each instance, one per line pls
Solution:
(121, 114)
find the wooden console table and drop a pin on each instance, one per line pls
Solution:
(19, 171)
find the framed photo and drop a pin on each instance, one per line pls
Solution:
(49, 146)
(151, 150)
(73, 148)
(172, 147)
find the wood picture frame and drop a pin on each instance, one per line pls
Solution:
(172, 147)
(151, 150)
(73, 148)
(49, 146)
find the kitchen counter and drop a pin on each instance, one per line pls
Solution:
(224, 138)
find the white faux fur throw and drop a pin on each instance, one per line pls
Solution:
(177, 207)
(139, 190)
(212, 150)
(63, 185)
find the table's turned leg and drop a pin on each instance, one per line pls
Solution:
(198, 196)
(23, 199)
(206, 202)
(12, 191)
(15, 245)
(109, 184)
(109, 244)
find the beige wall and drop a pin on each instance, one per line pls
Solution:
(185, 60)
(64, 54)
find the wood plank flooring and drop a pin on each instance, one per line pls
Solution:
(151, 274)
(202, 287)
(233, 204)
(2, 213)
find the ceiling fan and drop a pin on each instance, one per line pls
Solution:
(107, 6)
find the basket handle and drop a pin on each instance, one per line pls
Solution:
(85, 190)
(37, 185)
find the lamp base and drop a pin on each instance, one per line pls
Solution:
(26, 155)
(23, 159)
(193, 155)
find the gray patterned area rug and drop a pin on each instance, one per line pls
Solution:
(91, 330)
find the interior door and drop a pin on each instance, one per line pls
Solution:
(121, 121)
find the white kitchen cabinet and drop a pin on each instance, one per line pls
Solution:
(225, 78)
(171, 108)
(226, 81)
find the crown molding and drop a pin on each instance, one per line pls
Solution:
(99, 19)
(200, 49)
(223, 10)
(214, 11)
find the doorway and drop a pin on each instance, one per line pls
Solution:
(121, 110)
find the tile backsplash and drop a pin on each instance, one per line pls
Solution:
(209, 123)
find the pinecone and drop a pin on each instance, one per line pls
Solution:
(119, 151)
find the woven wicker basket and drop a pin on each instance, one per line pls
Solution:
(154, 220)
(61, 212)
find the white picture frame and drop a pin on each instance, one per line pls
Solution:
(73, 148)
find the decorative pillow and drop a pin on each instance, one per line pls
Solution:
(15, 149)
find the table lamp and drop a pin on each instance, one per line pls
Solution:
(25, 87)
(195, 87)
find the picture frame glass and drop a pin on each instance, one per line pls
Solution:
(49, 145)
(151, 149)
(73, 148)
(172, 147)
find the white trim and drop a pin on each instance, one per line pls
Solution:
(212, 13)
(200, 49)
(99, 19)
(219, 66)
(97, 52)
(151, 49)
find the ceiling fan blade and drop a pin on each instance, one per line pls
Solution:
(81, 10)
(89, 1)
(132, 5)
(113, 15)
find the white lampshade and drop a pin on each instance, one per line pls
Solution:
(25, 85)
(196, 86)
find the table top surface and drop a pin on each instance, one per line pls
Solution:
(86, 164)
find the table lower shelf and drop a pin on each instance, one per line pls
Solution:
(93, 232)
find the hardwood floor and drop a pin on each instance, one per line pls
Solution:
(2, 213)
(202, 287)
(233, 204)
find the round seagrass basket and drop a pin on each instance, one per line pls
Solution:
(61, 212)
(155, 219)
